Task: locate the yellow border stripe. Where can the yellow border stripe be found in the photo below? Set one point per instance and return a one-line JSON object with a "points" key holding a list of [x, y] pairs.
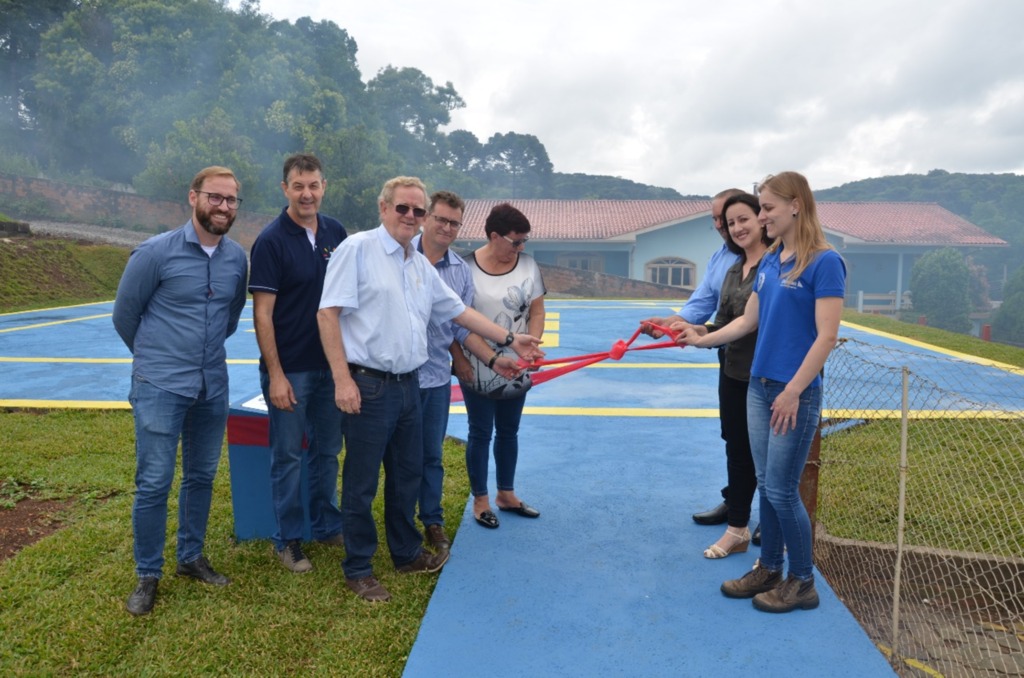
{"points": [[67, 404], [945, 351], [55, 322]]}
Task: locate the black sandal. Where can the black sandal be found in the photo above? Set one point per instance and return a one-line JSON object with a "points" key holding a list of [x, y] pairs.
{"points": [[488, 520]]}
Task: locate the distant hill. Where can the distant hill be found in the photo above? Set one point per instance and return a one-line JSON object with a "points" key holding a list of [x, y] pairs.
{"points": [[994, 202]]}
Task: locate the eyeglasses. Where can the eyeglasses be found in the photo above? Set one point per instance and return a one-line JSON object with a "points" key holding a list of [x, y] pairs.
{"points": [[216, 199], [515, 243], [417, 212], [451, 223]]}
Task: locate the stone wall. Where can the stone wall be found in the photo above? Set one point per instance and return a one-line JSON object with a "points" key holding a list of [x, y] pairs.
{"points": [[31, 198], [57, 201]]}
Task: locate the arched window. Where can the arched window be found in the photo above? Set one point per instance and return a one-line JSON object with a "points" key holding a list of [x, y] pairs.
{"points": [[671, 271], [584, 261]]}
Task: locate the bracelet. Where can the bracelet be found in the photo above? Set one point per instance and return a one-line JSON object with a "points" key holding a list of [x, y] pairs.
{"points": [[490, 363], [508, 340]]}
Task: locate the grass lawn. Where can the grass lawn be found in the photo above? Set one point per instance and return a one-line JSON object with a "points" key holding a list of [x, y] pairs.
{"points": [[62, 599]]}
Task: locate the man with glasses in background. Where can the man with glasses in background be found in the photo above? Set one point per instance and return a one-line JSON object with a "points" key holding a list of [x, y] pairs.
{"points": [[179, 299], [445, 356], [701, 307], [379, 296], [289, 261]]}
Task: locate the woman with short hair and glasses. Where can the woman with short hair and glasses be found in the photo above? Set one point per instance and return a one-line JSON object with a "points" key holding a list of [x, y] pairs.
{"points": [[510, 291], [795, 305]]}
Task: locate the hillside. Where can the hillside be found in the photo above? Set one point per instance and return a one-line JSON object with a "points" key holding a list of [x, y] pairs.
{"points": [[38, 272]]}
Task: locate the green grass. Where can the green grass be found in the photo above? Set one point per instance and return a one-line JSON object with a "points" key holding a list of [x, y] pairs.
{"points": [[41, 272], [62, 599], [964, 484]]}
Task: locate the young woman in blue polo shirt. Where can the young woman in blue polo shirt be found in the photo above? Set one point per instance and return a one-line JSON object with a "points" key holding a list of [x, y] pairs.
{"points": [[796, 306]]}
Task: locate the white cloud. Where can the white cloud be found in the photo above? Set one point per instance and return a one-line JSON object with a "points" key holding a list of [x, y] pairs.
{"points": [[698, 96]]}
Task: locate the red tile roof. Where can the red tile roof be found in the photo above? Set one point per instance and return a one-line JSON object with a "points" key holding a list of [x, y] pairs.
{"points": [[901, 223], [585, 219], [904, 223]]}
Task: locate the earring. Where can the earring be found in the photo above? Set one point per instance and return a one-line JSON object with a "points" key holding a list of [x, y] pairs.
{"points": [[795, 214]]}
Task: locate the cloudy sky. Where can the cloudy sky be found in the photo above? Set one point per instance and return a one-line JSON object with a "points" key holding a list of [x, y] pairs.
{"points": [[698, 96]]}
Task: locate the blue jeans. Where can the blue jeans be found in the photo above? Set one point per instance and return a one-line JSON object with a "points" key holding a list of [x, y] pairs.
{"points": [[388, 430], [434, 403], [779, 461], [502, 417], [162, 419], [316, 417]]}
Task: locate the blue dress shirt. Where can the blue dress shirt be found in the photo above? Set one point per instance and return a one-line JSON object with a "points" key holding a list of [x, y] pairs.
{"points": [[437, 371], [175, 307], [703, 303]]}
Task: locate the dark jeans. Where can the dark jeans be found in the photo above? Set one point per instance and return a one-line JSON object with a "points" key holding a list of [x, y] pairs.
{"points": [[732, 405], [434, 403], [388, 430], [318, 419], [502, 417]]}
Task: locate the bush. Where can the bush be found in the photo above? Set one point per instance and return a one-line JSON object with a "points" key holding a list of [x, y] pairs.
{"points": [[1008, 323]]}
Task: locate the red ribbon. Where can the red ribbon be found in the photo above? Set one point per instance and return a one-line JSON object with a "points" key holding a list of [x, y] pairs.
{"points": [[618, 349]]}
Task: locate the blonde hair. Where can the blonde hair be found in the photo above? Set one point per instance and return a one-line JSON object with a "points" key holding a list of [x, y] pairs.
{"points": [[809, 238], [387, 194]]}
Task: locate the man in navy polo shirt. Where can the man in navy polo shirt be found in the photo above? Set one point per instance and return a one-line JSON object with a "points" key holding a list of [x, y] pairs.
{"points": [[288, 261]]}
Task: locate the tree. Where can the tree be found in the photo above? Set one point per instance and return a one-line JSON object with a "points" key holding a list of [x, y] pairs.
{"points": [[22, 24], [519, 164], [412, 109], [1008, 323], [939, 286]]}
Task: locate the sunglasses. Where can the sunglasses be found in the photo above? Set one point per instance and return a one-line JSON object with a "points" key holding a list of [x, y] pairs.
{"points": [[417, 212], [515, 243]]}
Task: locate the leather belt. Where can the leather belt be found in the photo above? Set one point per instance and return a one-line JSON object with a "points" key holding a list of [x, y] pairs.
{"points": [[380, 374]]}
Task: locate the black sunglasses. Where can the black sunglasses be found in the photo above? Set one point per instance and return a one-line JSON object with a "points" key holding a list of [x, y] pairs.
{"points": [[417, 212]]}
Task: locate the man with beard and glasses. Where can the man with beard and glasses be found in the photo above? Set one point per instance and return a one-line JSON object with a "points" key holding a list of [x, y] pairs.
{"points": [[289, 260], [179, 299]]}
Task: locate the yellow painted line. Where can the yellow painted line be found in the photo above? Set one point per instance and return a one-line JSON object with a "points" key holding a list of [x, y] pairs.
{"points": [[610, 412], [924, 414], [551, 325], [55, 322], [552, 314], [707, 413], [56, 308], [945, 351], [88, 361], [913, 663], [67, 404]]}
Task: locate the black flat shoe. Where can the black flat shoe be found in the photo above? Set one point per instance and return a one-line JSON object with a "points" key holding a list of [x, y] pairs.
{"points": [[523, 509], [715, 516], [756, 539], [488, 520]]}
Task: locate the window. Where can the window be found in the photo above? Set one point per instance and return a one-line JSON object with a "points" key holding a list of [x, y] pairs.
{"points": [[583, 261], [671, 271]]}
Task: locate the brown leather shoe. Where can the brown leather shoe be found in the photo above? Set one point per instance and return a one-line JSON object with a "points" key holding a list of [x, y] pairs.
{"points": [[369, 589], [788, 596], [425, 562], [749, 585], [437, 539]]}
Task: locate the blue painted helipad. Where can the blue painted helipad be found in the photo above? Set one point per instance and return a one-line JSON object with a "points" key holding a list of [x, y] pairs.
{"points": [[611, 579]]}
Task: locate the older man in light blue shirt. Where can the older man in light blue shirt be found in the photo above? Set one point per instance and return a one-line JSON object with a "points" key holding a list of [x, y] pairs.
{"points": [[379, 297]]}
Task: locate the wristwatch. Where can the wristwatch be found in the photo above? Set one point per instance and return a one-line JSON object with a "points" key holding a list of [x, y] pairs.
{"points": [[508, 340]]}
